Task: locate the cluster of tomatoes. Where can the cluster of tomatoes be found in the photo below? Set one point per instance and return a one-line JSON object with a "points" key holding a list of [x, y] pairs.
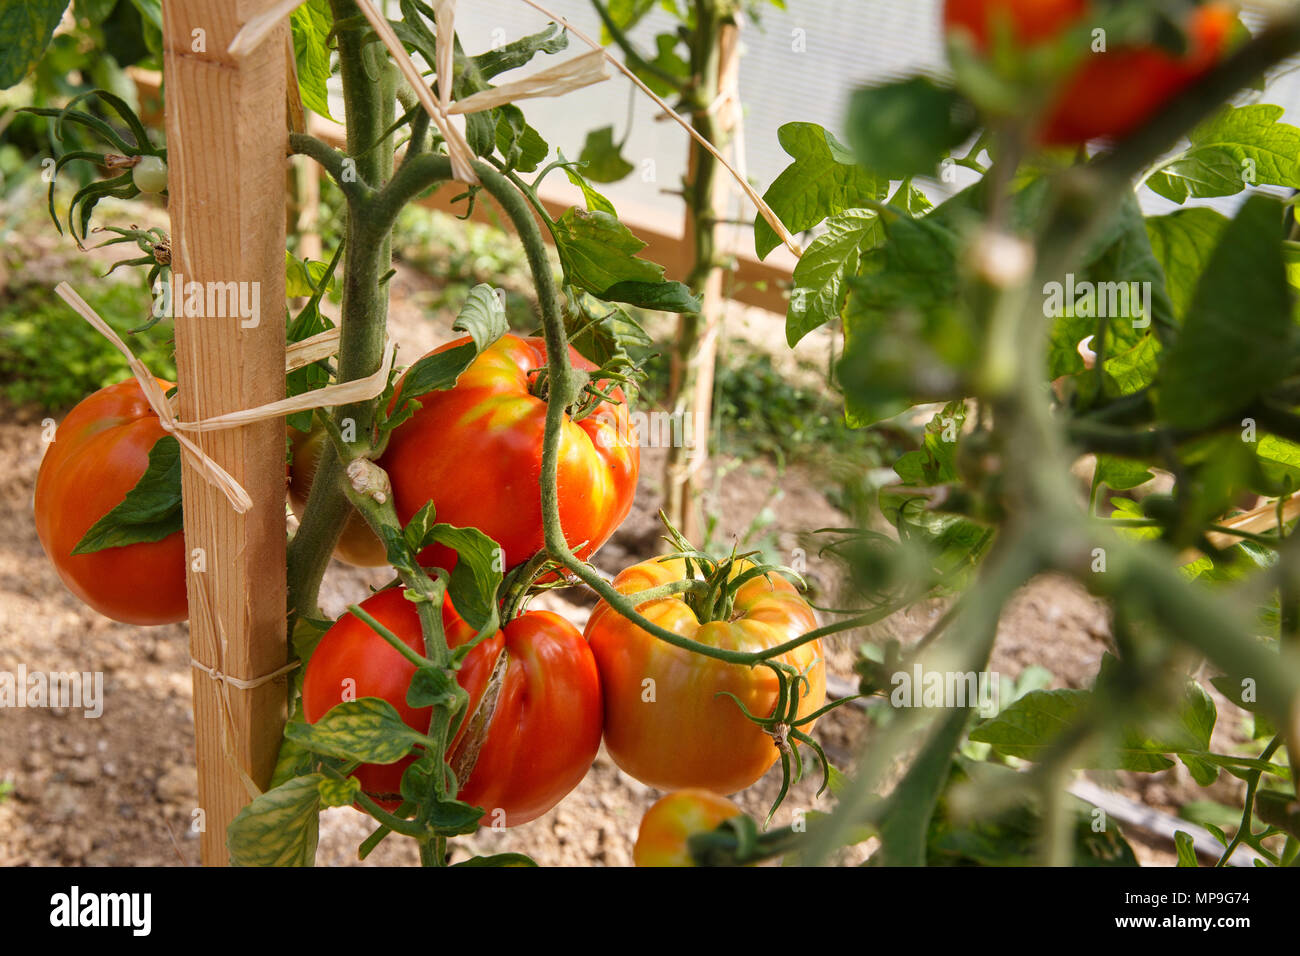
{"points": [[667, 715], [1110, 92]]}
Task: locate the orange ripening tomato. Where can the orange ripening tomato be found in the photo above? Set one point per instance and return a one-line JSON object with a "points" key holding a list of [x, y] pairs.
{"points": [[358, 544], [540, 739], [1030, 21], [1112, 94], [665, 723], [673, 819], [99, 453], [475, 451]]}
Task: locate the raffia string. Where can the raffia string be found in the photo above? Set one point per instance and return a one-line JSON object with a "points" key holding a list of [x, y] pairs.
{"points": [[310, 350]]}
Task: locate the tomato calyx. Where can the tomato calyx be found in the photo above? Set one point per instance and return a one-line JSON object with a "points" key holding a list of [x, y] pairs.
{"points": [[521, 584], [590, 389], [711, 583]]}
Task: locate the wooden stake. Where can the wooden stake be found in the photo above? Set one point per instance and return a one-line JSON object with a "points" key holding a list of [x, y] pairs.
{"points": [[227, 145], [692, 385]]}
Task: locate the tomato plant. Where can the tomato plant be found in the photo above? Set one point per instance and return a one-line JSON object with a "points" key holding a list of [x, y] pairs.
{"points": [[475, 451], [543, 727], [670, 822], [99, 453], [658, 697]]}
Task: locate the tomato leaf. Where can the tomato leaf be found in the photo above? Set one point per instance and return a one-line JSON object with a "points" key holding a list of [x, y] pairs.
{"points": [[499, 859], [476, 576], [521, 146], [338, 793], [27, 26], [484, 318], [824, 179], [602, 332], [1183, 243], [367, 729], [819, 276], [1241, 146], [602, 159], [311, 24], [280, 827], [1238, 336], [454, 817], [906, 128], [151, 511], [294, 760], [594, 198], [935, 462], [599, 255]]}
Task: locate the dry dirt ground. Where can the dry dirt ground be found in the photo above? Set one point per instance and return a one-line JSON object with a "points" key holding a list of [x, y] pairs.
{"points": [[121, 789]]}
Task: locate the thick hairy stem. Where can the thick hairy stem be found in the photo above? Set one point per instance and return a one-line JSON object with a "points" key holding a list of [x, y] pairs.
{"points": [[369, 102]]}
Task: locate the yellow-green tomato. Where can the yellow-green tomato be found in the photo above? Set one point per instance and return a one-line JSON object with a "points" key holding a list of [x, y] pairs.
{"points": [[150, 174], [668, 824]]}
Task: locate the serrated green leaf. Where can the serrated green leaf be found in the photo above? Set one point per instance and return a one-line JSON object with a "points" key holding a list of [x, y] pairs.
{"points": [[367, 729], [1237, 335], [484, 319], [519, 144], [824, 179], [599, 255], [476, 576], [819, 276], [151, 511], [279, 827], [603, 163], [1241, 146], [595, 200]]}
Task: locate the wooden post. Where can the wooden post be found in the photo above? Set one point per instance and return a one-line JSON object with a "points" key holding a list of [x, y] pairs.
{"points": [[227, 145], [692, 385]]}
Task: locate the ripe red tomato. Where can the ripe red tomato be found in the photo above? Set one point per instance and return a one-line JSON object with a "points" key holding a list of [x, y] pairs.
{"points": [[1114, 93], [664, 721], [1109, 94], [98, 454], [1031, 21], [668, 824], [475, 451], [358, 545], [543, 735]]}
